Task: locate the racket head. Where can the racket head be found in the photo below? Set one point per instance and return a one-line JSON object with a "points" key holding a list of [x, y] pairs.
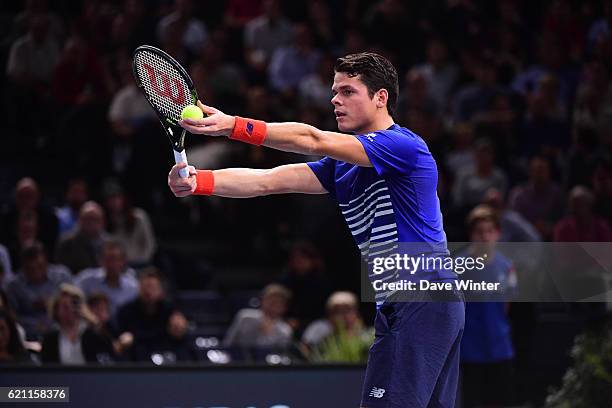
{"points": [[166, 86]]}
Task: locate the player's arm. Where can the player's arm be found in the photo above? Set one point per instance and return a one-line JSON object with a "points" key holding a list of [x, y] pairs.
{"points": [[288, 137], [244, 183]]}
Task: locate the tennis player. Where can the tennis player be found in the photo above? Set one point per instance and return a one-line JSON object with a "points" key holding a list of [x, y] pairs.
{"points": [[384, 179]]}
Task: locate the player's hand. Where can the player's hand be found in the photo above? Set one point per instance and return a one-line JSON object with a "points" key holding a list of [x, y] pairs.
{"points": [[216, 123], [182, 187]]}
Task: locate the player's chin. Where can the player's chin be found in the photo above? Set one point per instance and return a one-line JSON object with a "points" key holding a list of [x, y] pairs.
{"points": [[343, 124]]}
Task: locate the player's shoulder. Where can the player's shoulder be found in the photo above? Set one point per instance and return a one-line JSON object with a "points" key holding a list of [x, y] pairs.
{"points": [[394, 132]]}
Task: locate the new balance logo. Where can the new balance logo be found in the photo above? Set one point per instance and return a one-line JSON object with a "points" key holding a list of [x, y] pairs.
{"points": [[249, 128], [377, 392]]}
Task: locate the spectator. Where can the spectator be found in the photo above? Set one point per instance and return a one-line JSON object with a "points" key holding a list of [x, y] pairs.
{"points": [[129, 111], [154, 323], [6, 272], [539, 200], [129, 225], [290, 64], [33, 57], [74, 341], [342, 316], [113, 278], [240, 12], [34, 8], [99, 304], [306, 279], [440, 73], [80, 78], [476, 97], [27, 219], [81, 248], [472, 184], [11, 347], [581, 224], [487, 351], [315, 89], [193, 33], [76, 196], [33, 286], [263, 327], [513, 226], [461, 156], [264, 34]]}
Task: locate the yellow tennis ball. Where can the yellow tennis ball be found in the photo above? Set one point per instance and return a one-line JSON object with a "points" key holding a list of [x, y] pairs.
{"points": [[191, 112]]}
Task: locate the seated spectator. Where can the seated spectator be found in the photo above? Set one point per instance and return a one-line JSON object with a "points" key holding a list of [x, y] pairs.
{"points": [[130, 226], [27, 219], [74, 341], [472, 184], [539, 200], [461, 156], [581, 224], [6, 272], [263, 327], [194, 33], [475, 97], [487, 352], [113, 278], [99, 304], [156, 326], [81, 248], [76, 196], [33, 286], [306, 279], [513, 226], [5, 306], [12, 350], [440, 73], [290, 64], [75, 87], [264, 34], [315, 89], [33, 57], [342, 316]]}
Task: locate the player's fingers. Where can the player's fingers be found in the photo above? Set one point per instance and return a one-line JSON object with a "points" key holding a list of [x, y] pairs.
{"points": [[192, 170], [191, 128], [209, 110]]}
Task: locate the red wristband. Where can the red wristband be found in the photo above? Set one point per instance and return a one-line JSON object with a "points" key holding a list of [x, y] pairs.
{"points": [[205, 182], [249, 131]]}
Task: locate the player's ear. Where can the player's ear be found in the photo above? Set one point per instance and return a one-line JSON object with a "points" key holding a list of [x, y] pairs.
{"points": [[382, 96]]}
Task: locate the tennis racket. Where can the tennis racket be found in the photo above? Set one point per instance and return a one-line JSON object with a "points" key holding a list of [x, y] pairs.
{"points": [[168, 88]]}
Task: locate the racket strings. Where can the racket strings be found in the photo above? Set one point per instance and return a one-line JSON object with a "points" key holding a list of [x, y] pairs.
{"points": [[164, 85]]}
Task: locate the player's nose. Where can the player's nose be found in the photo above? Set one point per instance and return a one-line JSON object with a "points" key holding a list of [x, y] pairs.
{"points": [[335, 100]]}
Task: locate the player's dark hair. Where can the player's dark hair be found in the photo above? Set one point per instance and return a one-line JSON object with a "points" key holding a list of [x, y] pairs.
{"points": [[375, 71]]}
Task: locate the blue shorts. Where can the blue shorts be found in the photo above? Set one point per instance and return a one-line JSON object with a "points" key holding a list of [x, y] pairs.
{"points": [[414, 361]]}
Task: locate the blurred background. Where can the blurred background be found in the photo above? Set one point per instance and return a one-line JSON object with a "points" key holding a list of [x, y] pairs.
{"points": [[513, 97]]}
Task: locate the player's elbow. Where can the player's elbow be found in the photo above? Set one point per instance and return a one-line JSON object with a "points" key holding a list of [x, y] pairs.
{"points": [[316, 142]]}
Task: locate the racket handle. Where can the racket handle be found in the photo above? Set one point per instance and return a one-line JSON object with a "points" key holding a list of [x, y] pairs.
{"points": [[181, 157]]}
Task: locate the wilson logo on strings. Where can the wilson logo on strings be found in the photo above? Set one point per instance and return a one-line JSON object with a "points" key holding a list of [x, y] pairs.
{"points": [[166, 90]]}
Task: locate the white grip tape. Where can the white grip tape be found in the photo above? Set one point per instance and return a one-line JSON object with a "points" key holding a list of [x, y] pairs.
{"points": [[181, 157]]}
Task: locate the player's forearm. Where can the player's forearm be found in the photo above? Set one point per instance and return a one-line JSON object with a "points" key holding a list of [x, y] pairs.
{"points": [[294, 137], [241, 183]]}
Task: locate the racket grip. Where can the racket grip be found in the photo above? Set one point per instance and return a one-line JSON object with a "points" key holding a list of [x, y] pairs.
{"points": [[181, 157]]}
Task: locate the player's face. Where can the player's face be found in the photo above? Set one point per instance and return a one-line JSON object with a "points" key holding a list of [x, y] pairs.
{"points": [[353, 107]]}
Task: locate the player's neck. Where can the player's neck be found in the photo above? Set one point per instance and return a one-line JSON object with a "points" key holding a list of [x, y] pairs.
{"points": [[381, 123]]}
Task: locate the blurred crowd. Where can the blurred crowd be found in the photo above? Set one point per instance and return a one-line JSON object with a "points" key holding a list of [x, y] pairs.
{"points": [[513, 97]]}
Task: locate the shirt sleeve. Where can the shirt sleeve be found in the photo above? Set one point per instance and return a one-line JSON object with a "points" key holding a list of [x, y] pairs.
{"points": [[391, 153], [324, 169]]}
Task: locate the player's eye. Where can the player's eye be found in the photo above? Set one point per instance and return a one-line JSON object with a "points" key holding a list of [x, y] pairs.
{"points": [[347, 92]]}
